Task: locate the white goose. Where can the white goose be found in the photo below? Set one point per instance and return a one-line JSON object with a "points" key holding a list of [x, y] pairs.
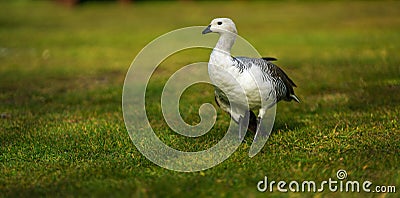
{"points": [[263, 83]]}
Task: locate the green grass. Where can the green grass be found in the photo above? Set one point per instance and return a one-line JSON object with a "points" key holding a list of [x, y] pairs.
{"points": [[61, 76]]}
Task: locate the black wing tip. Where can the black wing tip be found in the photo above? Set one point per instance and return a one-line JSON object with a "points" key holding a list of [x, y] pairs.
{"points": [[269, 59]]}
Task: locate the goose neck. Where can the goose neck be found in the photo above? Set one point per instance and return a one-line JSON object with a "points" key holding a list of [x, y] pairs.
{"points": [[226, 42]]}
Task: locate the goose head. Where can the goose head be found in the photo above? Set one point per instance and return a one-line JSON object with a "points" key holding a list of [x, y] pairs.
{"points": [[221, 26]]}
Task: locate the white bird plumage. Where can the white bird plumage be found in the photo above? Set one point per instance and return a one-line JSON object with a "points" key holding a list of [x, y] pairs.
{"points": [[263, 83]]}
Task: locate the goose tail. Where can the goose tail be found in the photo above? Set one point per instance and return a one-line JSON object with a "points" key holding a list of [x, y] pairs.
{"points": [[294, 97]]}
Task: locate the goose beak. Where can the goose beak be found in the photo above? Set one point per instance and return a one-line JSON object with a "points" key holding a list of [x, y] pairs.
{"points": [[207, 30]]}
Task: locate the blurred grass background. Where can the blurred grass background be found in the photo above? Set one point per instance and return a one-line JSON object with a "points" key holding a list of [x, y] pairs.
{"points": [[62, 71]]}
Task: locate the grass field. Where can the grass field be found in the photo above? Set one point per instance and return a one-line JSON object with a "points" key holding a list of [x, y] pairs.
{"points": [[62, 70]]}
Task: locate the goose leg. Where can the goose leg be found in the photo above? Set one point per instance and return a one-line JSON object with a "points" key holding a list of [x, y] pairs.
{"points": [[260, 126], [243, 122], [266, 120]]}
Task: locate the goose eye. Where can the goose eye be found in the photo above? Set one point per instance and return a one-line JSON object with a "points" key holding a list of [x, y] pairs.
{"points": [[219, 23]]}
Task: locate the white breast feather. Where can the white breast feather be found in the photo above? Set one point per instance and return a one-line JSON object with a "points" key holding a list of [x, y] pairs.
{"points": [[229, 79]]}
